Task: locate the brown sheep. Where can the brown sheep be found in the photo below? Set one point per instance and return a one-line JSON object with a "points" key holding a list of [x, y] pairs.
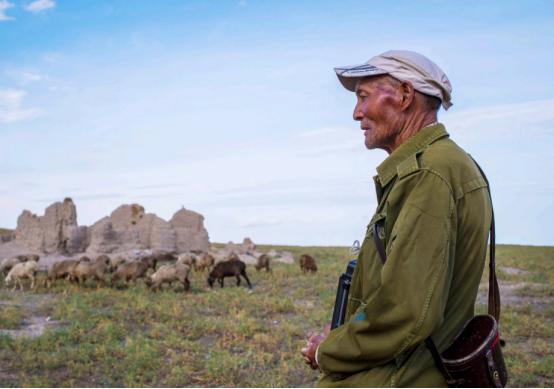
{"points": [[307, 263], [63, 269], [104, 257], [131, 271], [7, 263], [115, 262], [263, 262], [169, 273], [230, 268], [163, 256], [188, 259], [205, 262], [96, 269]]}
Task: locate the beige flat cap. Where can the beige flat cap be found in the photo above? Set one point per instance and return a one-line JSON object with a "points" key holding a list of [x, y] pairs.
{"points": [[425, 75]]}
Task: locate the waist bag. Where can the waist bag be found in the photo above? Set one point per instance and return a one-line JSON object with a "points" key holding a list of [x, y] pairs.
{"points": [[474, 358]]}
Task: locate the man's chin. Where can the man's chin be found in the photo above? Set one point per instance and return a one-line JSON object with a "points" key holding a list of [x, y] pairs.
{"points": [[374, 146], [370, 145]]}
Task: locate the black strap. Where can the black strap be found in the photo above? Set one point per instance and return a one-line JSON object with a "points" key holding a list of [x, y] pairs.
{"points": [[378, 243], [494, 293], [451, 382]]}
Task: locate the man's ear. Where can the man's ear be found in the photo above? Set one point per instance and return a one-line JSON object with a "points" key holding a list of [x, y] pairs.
{"points": [[408, 94]]}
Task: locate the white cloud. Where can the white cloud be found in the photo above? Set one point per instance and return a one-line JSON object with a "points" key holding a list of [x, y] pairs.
{"points": [[40, 5], [528, 115], [4, 6], [242, 3], [30, 77], [10, 106], [24, 77]]}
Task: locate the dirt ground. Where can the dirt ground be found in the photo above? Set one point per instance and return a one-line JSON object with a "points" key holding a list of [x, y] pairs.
{"points": [[35, 308], [509, 292]]}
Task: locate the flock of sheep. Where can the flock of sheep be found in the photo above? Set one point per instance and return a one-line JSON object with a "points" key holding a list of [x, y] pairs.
{"points": [[173, 269]]}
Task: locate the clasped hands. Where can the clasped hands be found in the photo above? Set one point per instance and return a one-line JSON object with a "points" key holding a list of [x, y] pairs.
{"points": [[314, 339]]}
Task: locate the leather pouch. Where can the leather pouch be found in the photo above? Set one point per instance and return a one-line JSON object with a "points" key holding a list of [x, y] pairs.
{"points": [[474, 359]]}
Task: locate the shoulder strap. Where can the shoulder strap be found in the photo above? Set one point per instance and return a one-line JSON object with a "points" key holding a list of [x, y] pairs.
{"points": [[378, 243], [494, 292]]}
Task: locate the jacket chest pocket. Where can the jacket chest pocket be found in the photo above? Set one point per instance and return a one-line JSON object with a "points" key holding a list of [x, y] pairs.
{"points": [[368, 267], [378, 223], [367, 276]]}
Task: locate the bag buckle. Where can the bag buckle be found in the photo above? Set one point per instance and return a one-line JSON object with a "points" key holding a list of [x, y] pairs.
{"points": [[495, 376]]}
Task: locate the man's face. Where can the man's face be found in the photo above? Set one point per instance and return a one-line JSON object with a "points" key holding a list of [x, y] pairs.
{"points": [[378, 111]]}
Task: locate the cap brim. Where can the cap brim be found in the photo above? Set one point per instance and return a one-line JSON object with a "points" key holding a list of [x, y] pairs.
{"points": [[349, 75]]}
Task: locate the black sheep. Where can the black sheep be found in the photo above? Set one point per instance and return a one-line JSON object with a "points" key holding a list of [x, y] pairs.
{"points": [[231, 268]]}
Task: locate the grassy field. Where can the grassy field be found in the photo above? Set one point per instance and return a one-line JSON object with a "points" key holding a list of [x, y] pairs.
{"points": [[230, 337]]}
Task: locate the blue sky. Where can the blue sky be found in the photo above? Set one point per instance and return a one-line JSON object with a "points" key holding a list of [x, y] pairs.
{"points": [[231, 108]]}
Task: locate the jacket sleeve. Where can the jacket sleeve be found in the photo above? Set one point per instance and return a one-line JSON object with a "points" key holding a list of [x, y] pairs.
{"points": [[411, 298]]}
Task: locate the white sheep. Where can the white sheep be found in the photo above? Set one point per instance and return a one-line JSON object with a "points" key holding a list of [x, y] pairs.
{"points": [[7, 263], [169, 273], [22, 270]]}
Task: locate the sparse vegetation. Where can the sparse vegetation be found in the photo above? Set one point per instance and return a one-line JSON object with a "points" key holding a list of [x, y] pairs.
{"points": [[5, 231], [133, 337]]}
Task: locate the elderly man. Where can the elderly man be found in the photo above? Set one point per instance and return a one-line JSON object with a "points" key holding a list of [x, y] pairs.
{"points": [[432, 223]]}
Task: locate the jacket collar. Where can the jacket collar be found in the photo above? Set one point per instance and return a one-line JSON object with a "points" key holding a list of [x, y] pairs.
{"points": [[388, 169]]}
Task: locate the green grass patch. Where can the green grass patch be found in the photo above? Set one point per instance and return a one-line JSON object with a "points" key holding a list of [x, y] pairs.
{"points": [[10, 317]]}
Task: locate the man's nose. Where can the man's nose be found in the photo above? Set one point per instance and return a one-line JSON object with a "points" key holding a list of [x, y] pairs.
{"points": [[357, 115]]}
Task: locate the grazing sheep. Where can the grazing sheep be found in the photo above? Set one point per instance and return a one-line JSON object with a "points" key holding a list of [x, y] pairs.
{"points": [[63, 269], [131, 271], [187, 259], [104, 257], [22, 270], [60, 270], [231, 268], [96, 269], [207, 261], [8, 263], [151, 261], [115, 262], [263, 262], [307, 263], [163, 256], [169, 273]]}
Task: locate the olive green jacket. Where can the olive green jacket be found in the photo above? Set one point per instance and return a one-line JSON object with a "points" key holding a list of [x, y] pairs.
{"points": [[433, 218]]}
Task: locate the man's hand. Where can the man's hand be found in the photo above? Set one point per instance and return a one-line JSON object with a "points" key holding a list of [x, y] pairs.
{"points": [[308, 352]]}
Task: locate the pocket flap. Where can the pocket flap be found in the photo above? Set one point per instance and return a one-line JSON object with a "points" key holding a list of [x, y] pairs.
{"points": [[378, 219]]}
